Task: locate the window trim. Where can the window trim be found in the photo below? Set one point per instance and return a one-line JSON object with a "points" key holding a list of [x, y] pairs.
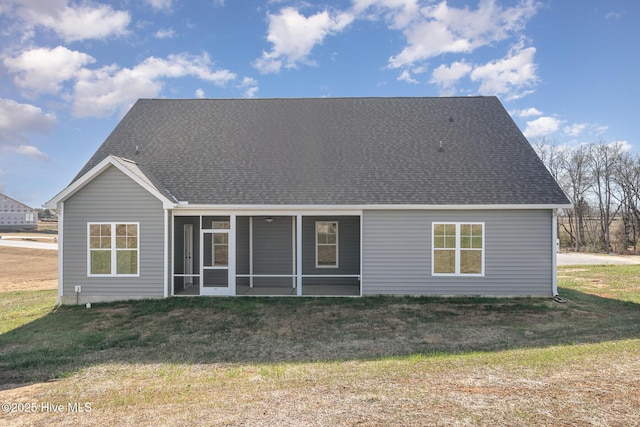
{"points": [[337, 265], [113, 249], [457, 249]]}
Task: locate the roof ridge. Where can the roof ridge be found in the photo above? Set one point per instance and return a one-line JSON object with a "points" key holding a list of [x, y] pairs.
{"points": [[318, 99], [124, 159]]}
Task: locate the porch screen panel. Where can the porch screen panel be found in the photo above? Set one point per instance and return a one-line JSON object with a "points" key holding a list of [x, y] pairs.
{"points": [[273, 251], [216, 278]]}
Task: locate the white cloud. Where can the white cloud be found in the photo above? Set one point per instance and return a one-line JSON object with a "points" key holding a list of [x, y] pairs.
{"points": [[399, 13], [446, 77], [624, 145], [405, 76], [44, 70], [575, 129], [71, 23], [106, 90], [600, 129], [426, 40], [294, 36], [17, 120], [101, 92], [542, 126], [251, 92], [250, 87], [439, 28], [613, 15], [513, 76], [527, 112], [25, 150], [159, 4], [165, 33], [199, 93]]}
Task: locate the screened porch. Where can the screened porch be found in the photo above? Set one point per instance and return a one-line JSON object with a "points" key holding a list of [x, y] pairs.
{"points": [[267, 255]]}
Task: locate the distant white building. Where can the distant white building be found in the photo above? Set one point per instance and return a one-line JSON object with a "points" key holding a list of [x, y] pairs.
{"points": [[15, 215]]}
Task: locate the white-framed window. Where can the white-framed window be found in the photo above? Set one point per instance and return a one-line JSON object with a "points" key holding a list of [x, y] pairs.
{"points": [[113, 249], [326, 244], [30, 217], [457, 249]]}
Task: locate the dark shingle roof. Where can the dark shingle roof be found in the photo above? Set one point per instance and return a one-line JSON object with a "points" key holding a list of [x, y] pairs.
{"points": [[330, 151]]}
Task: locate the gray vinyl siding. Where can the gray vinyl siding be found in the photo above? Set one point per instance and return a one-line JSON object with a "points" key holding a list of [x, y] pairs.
{"points": [[113, 197], [397, 253]]}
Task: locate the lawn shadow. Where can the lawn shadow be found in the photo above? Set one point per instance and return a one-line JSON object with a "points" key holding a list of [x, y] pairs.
{"points": [[277, 330]]}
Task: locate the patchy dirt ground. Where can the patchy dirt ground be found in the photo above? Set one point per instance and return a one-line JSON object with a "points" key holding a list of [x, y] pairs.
{"points": [[354, 362], [28, 269]]}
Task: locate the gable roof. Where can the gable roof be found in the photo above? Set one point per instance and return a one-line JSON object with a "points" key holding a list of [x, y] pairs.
{"points": [[129, 168], [332, 151], [6, 199]]}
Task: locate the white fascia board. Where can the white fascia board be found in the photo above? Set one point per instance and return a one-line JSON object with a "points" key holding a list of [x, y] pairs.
{"points": [[96, 171], [264, 210], [348, 209]]}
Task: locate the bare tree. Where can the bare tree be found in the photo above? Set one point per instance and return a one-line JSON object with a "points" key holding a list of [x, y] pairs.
{"points": [[603, 163], [628, 178], [602, 180], [551, 154], [576, 181]]}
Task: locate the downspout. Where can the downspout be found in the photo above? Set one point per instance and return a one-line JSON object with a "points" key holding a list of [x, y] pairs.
{"points": [[554, 252]]}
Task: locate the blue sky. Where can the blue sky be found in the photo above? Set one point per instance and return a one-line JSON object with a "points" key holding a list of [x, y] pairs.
{"points": [[69, 70]]}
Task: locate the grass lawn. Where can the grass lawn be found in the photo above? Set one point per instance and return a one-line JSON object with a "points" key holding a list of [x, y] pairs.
{"points": [[330, 361]]}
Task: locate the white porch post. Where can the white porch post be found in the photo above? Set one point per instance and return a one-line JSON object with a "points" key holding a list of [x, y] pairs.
{"points": [[294, 258], [166, 255], [201, 258], [232, 255], [251, 251], [360, 281], [299, 255]]}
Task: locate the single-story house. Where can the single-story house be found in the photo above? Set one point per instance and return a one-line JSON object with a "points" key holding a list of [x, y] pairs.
{"points": [[333, 196], [15, 215]]}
